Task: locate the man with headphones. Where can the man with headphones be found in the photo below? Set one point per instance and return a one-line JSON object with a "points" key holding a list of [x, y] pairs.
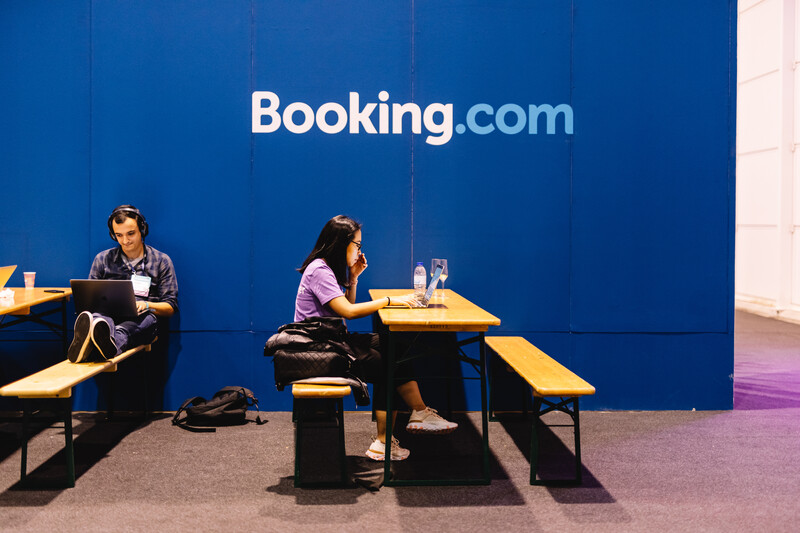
{"points": [[154, 284]]}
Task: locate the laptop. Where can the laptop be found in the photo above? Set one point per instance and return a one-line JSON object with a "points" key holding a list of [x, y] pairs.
{"points": [[5, 273], [110, 297], [422, 303]]}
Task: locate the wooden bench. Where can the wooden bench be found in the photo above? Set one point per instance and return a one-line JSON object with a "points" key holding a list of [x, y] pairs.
{"points": [[547, 378], [311, 397], [56, 383]]}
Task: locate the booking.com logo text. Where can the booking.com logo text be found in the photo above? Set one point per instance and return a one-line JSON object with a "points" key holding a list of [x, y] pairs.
{"points": [[332, 117]]}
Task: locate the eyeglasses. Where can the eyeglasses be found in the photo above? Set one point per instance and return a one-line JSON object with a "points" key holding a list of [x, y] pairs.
{"points": [[358, 244]]}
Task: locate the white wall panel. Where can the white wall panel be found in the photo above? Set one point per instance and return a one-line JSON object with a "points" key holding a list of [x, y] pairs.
{"points": [[797, 102], [796, 194], [757, 188], [758, 114], [756, 262], [759, 44], [796, 26], [768, 156], [796, 271], [745, 5]]}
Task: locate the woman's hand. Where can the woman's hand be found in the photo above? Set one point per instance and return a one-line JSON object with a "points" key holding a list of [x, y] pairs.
{"points": [[342, 306], [407, 300], [358, 267]]}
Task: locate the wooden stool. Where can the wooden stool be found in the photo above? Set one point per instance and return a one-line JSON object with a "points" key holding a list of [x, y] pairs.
{"points": [[309, 400]]}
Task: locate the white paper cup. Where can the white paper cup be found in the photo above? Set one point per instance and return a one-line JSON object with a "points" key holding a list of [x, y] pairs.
{"points": [[30, 278]]}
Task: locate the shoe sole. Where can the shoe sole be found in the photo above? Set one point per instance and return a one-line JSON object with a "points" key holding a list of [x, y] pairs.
{"points": [[420, 430], [376, 456], [105, 345], [81, 340]]}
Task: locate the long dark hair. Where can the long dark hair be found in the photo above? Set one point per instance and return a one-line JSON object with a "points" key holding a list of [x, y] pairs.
{"points": [[332, 246]]}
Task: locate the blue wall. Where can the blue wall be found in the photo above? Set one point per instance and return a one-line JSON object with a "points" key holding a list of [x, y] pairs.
{"points": [[610, 246]]}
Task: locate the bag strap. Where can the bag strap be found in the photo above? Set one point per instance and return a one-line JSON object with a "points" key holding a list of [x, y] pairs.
{"points": [[249, 398], [258, 413], [317, 328], [182, 408], [359, 388], [182, 422], [251, 401]]}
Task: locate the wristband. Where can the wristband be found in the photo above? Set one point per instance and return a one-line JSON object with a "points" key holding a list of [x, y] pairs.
{"points": [[390, 300], [148, 306]]}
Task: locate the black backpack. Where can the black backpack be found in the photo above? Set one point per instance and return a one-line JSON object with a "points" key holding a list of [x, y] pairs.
{"points": [[228, 407]]}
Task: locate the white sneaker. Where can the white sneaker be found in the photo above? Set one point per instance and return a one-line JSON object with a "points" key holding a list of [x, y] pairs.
{"points": [[429, 421], [377, 451]]}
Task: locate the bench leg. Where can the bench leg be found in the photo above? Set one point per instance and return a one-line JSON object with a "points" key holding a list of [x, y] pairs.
{"points": [[297, 418], [23, 466], [68, 447], [537, 404], [525, 389], [110, 386], [146, 356], [110, 407], [574, 413], [300, 411], [577, 421], [342, 453], [65, 412]]}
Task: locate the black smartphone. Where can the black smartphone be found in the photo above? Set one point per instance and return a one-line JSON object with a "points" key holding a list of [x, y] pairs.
{"points": [[53, 290]]}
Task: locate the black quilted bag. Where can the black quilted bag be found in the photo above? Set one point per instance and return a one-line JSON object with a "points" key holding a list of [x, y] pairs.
{"points": [[314, 347], [310, 348], [293, 365]]}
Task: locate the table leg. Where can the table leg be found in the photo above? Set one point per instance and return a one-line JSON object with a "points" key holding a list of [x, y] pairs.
{"points": [[390, 363], [484, 409], [64, 344], [480, 366]]}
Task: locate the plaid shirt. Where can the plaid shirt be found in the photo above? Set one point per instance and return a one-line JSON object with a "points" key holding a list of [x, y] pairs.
{"points": [[112, 264]]}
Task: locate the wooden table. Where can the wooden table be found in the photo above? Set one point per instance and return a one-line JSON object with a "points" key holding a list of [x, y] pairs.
{"points": [[454, 314], [26, 299]]}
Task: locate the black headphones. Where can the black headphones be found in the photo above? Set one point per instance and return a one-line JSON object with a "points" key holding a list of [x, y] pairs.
{"points": [[130, 212]]}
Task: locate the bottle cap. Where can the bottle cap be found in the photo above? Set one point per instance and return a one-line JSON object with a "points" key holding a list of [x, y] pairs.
{"points": [[419, 263]]}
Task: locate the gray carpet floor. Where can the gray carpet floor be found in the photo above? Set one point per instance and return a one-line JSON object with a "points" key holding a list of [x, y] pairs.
{"points": [[734, 470]]}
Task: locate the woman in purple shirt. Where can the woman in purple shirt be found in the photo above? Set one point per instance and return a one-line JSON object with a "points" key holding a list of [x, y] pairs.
{"points": [[335, 263]]}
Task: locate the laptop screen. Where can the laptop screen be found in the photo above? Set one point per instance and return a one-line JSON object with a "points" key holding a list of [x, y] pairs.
{"points": [[434, 281]]}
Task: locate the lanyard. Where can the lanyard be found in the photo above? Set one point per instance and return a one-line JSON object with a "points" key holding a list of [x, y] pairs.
{"points": [[141, 283], [132, 267]]}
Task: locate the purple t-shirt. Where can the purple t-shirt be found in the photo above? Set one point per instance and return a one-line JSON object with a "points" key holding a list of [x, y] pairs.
{"points": [[318, 286]]}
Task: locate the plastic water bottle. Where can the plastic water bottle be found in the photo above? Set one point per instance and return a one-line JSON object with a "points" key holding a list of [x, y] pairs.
{"points": [[419, 280]]}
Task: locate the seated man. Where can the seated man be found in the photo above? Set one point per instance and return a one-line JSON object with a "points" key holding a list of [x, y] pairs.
{"points": [[154, 285]]}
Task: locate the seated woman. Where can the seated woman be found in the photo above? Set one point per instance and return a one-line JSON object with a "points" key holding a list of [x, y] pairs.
{"points": [[328, 288]]}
